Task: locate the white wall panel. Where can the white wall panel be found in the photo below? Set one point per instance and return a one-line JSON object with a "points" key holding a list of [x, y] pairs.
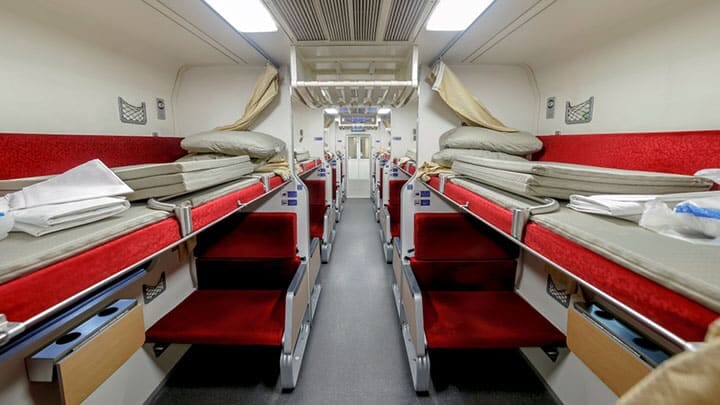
{"points": [[63, 74], [507, 91], [210, 96], [655, 73]]}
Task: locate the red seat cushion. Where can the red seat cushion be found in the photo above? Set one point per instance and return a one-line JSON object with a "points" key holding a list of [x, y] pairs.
{"points": [[316, 191], [464, 275], [458, 237], [317, 216], [26, 155], [682, 152], [394, 190], [224, 317], [394, 211], [266, 235], [253, 274], [485, 320]]}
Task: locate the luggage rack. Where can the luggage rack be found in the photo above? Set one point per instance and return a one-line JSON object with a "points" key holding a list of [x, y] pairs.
{"points": [[355, 76]]}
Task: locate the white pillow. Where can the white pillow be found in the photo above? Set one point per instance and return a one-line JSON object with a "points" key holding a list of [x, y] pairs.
{"points": [[514, 143], [446, 157], [254, 144]]}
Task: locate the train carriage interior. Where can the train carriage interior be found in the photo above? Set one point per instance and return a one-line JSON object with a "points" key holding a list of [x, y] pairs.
{"points": [[359, 201]]}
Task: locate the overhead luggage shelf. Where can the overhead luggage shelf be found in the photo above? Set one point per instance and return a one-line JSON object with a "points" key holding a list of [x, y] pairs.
{"points": [[358, 75]]}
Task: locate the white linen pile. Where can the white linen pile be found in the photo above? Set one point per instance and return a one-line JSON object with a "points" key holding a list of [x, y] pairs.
{"points": [[627, 206], [84, 194]]}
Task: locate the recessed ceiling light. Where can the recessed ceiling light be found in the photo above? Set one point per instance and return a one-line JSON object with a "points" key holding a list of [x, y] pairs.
{"points": [[245, 15], [456, 15], [331, 111]]}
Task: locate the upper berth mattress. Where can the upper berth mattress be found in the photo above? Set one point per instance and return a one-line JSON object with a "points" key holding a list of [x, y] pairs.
{"points": [[163, 179], [560, 180], [179, 183], [689, 269], [23, 253]]}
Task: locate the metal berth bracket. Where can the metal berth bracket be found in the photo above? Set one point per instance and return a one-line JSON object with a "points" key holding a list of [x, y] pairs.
{"points": [[9, 330], [444, 178], [183, 213], [521, 216]]}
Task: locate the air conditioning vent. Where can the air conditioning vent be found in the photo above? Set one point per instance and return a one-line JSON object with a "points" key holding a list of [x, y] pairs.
{"points": [[302, 18], [365, 18], [337, 19], [404, 15]]}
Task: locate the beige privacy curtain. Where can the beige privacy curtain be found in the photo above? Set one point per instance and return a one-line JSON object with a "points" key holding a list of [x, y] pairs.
{"points": [[459, 99], [266, 89]]}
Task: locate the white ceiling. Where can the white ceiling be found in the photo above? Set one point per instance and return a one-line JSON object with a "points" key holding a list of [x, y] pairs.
{"points": [[509, 32]]}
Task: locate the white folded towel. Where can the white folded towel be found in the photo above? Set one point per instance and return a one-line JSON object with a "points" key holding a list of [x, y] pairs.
{"points": [[627, 206], [90, 180], [38, 221], [712, 174]]}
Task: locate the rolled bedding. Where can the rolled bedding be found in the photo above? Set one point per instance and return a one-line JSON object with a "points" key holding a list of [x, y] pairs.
{"points": [[257, 145], [513, 143]]}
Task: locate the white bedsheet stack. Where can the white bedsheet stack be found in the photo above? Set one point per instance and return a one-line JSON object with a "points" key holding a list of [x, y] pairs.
{"points": [[87, 193], [628, 206]]}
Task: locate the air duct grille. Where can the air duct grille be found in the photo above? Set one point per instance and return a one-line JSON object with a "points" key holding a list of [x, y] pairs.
{"points": [[404, 15], [337, 19], [302, 18], [365, 18]]}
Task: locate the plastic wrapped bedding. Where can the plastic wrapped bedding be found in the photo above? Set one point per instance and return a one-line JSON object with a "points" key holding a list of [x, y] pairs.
{"points": [[560, 180], [689, 269], [24, 253]]}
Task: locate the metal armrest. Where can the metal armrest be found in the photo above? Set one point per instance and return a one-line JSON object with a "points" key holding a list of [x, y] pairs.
{"points": [[328, 224], [385, 223]]}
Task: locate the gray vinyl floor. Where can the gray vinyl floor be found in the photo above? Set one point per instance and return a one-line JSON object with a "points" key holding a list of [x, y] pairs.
{"points": [[355, 353]]}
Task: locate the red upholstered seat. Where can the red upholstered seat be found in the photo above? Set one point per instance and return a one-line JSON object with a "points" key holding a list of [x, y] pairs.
{"points": [[394, 190], [682, 152], [265, 235], [317, 216], [459, 275], [458, 237], [394, 211], [224, 317], [316, 191], [483, 320], [26, 155], [334, 184]]}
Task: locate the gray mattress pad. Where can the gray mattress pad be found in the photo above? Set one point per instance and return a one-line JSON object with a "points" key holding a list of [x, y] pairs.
{"points": [[23, 253], [586, 173], [692, 270], [524, 183], [172, 184], [133, 174], [201, 197]]}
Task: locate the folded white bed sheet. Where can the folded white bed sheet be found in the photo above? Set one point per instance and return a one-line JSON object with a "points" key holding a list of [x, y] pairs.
{"points": [[627, 206], [23, 253], [560, 180], [689, 269], [45, 219]]}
